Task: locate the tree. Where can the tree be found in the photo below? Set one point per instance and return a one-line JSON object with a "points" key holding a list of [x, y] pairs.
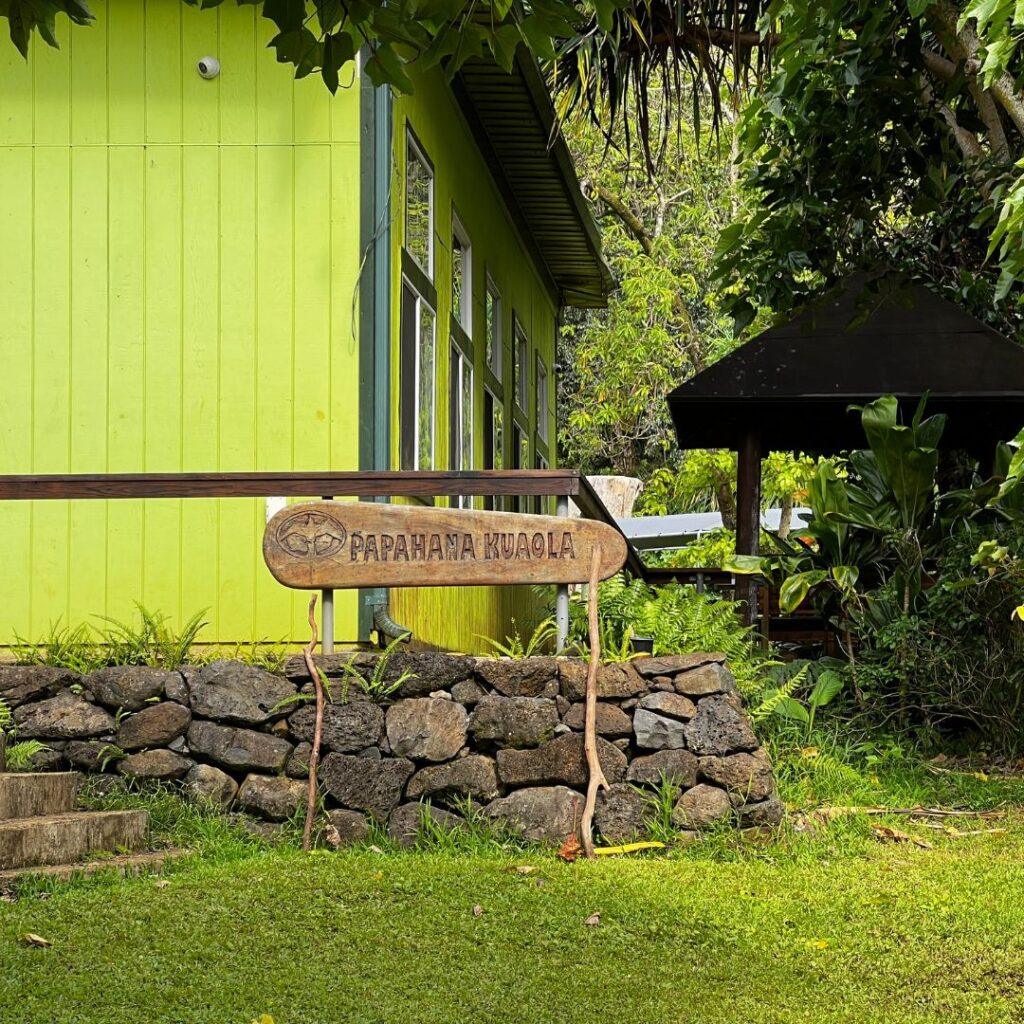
{"points": [[662, 324]]}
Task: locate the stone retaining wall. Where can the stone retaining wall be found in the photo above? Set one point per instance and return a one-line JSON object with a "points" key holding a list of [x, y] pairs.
{"points": [[505, 733]]}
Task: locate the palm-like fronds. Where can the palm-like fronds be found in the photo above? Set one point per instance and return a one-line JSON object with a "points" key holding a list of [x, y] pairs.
{"points": [[690, 50]]}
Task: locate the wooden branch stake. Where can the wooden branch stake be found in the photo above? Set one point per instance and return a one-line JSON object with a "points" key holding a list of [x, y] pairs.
{"points": [[314, 754], [595, 775]]}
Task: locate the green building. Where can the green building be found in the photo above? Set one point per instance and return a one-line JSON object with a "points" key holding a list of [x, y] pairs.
{"points": [[244, 273]]}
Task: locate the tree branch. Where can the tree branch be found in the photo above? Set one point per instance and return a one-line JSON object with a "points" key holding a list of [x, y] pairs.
{"points": [[627, 216]]}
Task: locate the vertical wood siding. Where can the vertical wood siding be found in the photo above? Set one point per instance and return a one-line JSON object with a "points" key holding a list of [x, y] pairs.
{"points": [[459, 618], [179, 260]]}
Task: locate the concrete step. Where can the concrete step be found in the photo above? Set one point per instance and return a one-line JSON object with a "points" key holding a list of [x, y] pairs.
{"points": [[26, 794], [127, 865], [66, 838]]}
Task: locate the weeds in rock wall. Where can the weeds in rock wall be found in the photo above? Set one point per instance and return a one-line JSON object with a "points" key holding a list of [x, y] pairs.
{"points": [[377, 686], [517, 645], [16, 757]]}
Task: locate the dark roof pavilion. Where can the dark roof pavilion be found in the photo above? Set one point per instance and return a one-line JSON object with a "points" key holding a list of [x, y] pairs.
{"points": [[792, 385]]}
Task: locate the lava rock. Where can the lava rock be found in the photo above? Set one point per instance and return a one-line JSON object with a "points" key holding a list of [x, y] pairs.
{"points": [[656, 732], [764, 812], [705, 680], [163, 765], [346, 727], [620, 813], [670, 664], [272, 797], [297, 765], [672, 704], [365, 784], [208, 784], [518, 677], [176, 686], [130, 687], [701, 807], [426, 728], [719, 728], [614, 682], [539, 814], [747, 775], [64, 717], [228, 691], [352, 826], [240, 749], [20, 684], [677, 767], [513, 721], [473, 776], [611, 720], [406, 822], [87, 754], [430, 671], [154, 726], [559, 760], [467, 692]]}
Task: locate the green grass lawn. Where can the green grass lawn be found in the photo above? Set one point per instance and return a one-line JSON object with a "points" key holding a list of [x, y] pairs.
{"points": [[833, 926]]}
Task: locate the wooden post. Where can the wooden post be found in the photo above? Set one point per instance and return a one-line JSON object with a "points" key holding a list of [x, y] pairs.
{"points": [[561, 591], [748, 517], [327, 613]]}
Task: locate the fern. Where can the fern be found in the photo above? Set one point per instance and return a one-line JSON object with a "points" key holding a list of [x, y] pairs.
{"points": [[676, 618], [777, 696], [19, 755], [516, 647]]}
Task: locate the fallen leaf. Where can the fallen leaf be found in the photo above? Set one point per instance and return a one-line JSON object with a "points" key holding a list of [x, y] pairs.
{"points": [[332, 836], [521, 869], [477, 910], [570, 849], [161, 884], [31, 939], [375, 849], [888, 834], [593, 920]]}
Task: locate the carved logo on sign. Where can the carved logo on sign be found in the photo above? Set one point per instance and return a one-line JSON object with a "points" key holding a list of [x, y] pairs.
{"points": [[336, 545]]}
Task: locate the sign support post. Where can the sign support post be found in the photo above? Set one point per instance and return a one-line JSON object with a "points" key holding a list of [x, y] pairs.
{"points": [[562, 590], [327, 614]]}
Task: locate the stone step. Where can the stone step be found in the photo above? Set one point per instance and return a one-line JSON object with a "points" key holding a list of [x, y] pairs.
{"points": [[127, 865], [27, 794], [66, 838]]}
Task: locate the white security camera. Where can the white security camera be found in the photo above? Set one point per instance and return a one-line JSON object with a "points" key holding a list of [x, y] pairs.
{"points": [[208, 67]]}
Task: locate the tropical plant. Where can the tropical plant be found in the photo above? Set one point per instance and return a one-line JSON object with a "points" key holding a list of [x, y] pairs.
{"points": [[675, 617], [15, 757], [516, 645], [376, 686], [783, 700]]}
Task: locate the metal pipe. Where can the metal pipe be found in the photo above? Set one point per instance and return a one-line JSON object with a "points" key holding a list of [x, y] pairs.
{"points": [[387, 627], [327, 613], [562, 591]]}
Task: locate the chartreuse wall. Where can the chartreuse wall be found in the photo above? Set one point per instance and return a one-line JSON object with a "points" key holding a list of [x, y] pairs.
{"points": [[458, 618], [179, 263]]}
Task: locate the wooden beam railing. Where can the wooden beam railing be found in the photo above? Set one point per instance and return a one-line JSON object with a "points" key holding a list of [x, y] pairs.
{"points": [[557, 483]]}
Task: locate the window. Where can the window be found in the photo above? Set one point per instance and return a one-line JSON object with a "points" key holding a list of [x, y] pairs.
{"points": [[494, 437], [460, 416], [418, 374], [520, 460], [542, 399], [520, 368], [542, 505], [492, 328], [460, 376], [419, 206], [462, 279]]}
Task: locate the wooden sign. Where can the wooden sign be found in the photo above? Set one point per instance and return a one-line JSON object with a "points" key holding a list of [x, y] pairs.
{"points": [[331, 545]]}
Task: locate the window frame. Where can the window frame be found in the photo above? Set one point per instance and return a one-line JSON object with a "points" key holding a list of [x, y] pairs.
{"points": [[541, 389], [413, 145], [520, 366], [494, 333]]}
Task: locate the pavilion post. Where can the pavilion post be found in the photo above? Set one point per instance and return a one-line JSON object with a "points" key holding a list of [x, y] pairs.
{"points": [[748, 516]]}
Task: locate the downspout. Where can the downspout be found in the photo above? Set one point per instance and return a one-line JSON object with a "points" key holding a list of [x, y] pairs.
{"points": [[375, 325]]}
